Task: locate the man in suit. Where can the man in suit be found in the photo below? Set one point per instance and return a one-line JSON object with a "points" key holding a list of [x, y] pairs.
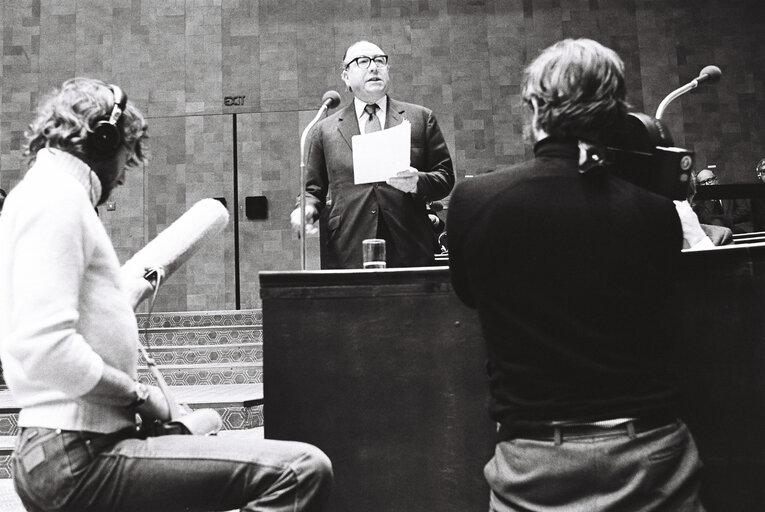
{"points": [[394, 210], [570, 270], [734, 214]]}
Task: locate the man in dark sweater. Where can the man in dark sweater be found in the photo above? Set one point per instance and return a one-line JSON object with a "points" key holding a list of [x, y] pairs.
{"points": [[569, 272]]}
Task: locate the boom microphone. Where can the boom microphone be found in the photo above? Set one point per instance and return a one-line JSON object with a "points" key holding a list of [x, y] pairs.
{"points": [[709, 74], [173, 246]]}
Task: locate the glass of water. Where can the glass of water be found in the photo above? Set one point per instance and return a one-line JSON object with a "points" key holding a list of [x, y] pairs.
{"points": [[374, 253]]}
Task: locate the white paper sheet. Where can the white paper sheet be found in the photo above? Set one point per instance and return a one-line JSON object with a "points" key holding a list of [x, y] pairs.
{"points": [[380, 155]]}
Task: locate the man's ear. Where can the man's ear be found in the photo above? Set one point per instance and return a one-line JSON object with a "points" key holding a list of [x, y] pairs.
{"points": [[534, 114], [344, 77]]}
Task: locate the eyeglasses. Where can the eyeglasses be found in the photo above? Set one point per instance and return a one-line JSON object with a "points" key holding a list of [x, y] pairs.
{"points": [[708, 181], [363, 62]]}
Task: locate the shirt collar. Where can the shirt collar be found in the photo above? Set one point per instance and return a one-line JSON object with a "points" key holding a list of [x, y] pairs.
{"points": [[359, 105], [74, 167]]}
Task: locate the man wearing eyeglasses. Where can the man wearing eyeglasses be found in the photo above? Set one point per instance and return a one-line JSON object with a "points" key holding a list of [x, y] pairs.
{"points": [[734, 214], [394, 210]]}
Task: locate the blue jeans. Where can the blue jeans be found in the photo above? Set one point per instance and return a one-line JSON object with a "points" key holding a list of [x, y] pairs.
{"points": [[81, 472], [656, 470]]}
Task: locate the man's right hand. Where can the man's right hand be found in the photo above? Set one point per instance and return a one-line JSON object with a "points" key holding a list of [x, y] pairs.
{"points": [[311, 214], [155, 407]]}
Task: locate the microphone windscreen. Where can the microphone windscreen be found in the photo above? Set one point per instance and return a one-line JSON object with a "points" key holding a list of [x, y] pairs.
{"points": [[331, 98], [180, 240], [712, 73]]}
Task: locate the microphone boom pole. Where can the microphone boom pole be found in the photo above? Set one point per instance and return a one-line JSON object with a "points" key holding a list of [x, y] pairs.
{"points": [[331, 100]]}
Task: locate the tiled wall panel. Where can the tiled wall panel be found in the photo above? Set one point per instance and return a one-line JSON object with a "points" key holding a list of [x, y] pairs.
{"points": [[191, 64]]}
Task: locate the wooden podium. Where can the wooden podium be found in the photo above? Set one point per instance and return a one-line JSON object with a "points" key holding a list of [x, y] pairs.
{"points": [[385, 372]]}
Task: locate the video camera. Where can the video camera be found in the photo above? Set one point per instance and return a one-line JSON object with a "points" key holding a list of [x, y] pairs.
{"points": [[640, 150]]}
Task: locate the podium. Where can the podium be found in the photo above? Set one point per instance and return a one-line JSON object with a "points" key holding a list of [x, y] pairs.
{"points": [[385, 371]]}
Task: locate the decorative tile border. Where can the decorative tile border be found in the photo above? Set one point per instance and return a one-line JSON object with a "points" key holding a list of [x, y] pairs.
{"points": [[248, 317], [192, 376], [206, 355], [235, 417], [9, 423], [201, 335], [5, 465]]}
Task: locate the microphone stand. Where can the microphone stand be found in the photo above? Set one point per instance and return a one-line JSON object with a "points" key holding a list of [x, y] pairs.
{"points": [[674, 95], [303, 137]]}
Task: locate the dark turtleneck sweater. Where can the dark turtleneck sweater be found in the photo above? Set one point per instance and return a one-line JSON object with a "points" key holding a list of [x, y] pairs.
{"points": [[570, 274]]}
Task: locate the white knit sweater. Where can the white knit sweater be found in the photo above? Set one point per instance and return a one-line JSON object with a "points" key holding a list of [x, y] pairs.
{"points": [[63, 308]]}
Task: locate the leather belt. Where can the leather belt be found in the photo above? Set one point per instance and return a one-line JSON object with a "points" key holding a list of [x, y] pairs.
{"points": [[549, 432]]}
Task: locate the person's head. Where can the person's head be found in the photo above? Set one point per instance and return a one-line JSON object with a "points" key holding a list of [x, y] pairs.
{"points": [[706, 177], [66, 120], [760, 169], [365, 71], [575, 89]]}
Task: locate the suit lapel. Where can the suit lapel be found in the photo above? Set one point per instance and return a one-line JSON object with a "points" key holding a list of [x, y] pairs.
{"points": [[395, 113], [347, 124]]}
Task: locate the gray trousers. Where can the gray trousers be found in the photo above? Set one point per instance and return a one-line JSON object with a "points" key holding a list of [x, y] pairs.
{"points": [[656, 470]]}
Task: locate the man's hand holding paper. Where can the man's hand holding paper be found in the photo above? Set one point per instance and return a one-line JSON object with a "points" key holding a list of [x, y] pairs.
{"points": [[405, 181]]}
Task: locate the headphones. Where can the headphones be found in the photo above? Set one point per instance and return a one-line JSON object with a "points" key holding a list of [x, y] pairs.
{"points": [[105, 139]]}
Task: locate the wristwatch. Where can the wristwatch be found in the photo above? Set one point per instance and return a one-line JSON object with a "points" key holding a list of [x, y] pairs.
{"points": [[141, 394]]}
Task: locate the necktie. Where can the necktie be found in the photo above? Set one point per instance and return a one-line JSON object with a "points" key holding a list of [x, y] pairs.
{"points": [[373, 122]]}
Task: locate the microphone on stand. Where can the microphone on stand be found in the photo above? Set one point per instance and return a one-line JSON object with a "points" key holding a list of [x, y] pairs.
{"points": [[709, 74], [331, 99]]}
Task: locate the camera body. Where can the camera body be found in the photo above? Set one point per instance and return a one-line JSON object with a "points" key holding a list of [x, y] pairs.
{"points": [[640, 150]]}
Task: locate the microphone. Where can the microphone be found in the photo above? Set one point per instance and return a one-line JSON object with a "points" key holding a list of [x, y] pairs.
{"points": [[180, 240], [332, 99], [709, 74]]}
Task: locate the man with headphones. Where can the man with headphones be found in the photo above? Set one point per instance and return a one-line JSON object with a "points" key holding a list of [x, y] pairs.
{"points": [[69, 339]]}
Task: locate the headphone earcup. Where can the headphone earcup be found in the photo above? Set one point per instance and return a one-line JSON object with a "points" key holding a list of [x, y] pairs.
{"points": [[105, 139]]}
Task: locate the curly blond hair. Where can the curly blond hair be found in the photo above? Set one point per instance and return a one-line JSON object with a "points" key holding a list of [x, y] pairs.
{"points": [[68, 114]]}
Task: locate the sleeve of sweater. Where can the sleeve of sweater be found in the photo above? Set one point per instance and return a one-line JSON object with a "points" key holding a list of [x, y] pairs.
{"points": [[50, 254]]}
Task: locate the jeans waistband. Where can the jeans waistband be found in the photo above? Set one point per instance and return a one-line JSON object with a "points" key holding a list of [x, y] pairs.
{"points": [[96, 440]]}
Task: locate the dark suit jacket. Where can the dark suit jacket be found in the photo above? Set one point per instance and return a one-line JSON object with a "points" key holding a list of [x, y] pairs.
{"points": [[356, 209], [732, 213]]}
